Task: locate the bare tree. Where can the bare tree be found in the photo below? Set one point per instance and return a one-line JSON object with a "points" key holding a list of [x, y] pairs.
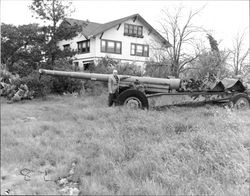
{"points": [[240, 56], [180, 35]]}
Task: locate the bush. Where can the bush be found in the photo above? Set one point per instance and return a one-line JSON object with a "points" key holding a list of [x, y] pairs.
{"points": [[105, 66], [158, 69], [23, 68], [6, 76], [41, 87], [129, 69], [208, 62], [62, 85], [95, 87]]}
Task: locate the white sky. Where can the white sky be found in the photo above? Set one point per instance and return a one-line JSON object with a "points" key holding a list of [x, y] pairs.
{"points": [[224, 19]]}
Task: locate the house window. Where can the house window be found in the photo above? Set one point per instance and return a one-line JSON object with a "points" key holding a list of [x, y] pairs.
{"points": [[139, 31], [139, 50], [110, 46], [83, 46], [130, 29], [76, 66], [133, 30], [126, 31], [66, 47], [87, 65]]}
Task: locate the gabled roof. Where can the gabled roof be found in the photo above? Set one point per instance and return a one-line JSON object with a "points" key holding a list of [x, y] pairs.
{"points": [[109, 25], [91, 29], [87, 26]]}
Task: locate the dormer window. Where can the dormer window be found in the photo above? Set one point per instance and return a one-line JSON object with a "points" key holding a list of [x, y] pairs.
{"points": [[133, 30]]}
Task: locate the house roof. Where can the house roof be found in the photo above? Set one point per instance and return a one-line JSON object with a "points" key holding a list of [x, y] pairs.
{"points": [[109, 25], [91, 29], [87, 26]]}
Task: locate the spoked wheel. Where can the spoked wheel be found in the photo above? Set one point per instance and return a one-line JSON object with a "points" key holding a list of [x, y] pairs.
{"points": [[241, 102], [133, 103], [133, 99]]}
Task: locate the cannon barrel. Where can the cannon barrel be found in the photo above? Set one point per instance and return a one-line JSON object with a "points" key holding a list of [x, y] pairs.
{"points": [[173, 83]]}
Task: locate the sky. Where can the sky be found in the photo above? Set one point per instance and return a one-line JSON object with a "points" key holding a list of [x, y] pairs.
{"points": [[223, 19]]}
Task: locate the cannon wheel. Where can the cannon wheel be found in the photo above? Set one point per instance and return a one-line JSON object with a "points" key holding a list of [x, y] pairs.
{"points": [[241, 101], [133, 99]]}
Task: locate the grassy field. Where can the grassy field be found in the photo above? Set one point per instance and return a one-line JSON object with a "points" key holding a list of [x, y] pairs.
{"points": [[81, 142]]}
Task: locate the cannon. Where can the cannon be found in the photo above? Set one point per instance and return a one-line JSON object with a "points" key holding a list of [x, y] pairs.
{"points": [[150, 92]]}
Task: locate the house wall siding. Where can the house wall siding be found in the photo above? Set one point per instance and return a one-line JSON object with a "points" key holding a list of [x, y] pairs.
{"points": [[116, 35], [73, 45]]}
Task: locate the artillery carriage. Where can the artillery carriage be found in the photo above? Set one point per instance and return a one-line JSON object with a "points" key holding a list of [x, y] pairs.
{"points": [[149, 92]]}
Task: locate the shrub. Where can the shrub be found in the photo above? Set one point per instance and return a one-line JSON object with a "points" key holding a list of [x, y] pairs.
{"points": [[105, 66], [62, 85], [128, 69], [65, 84], [95, 87], [6, 76], [23, 68], [11, 84], [41, 87], [158, 69]]}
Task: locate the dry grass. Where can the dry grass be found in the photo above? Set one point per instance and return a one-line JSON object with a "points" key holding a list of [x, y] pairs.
{"points": [[179, 151]]}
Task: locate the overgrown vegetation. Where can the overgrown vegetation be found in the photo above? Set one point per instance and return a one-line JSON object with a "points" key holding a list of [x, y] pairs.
{"points": [[21, 48], [53, 12], [106, 65], [189, 57], [26, 48], [180, 151], [116, 151], [158, 69], [43, 85]]}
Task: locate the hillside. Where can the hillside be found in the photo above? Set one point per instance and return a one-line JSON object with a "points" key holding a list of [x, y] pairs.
{"points": [[82, 143]]}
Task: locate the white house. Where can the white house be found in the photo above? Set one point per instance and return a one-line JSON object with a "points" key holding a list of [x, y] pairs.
{"points": [[129, 39]]}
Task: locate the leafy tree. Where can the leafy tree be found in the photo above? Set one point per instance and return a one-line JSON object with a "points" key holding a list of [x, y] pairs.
{"points": [[216, 54], [9, 43], [207, 62], [22, 47], [53, 12], [213, 61], [213, 43]]}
